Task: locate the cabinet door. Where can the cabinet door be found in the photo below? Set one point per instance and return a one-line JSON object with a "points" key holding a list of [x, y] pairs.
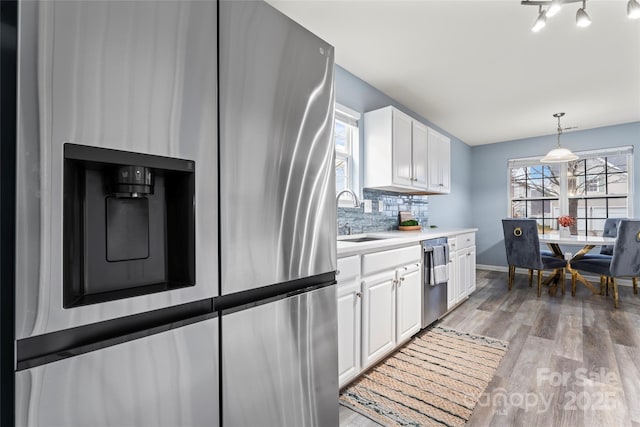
{"points": [[401, 134], [471, 266], [452, 286], [378, 317], [408, 303], [420, 137], [467, 271], [438, 162], [445, 164], [349, 315], [463, 273]]}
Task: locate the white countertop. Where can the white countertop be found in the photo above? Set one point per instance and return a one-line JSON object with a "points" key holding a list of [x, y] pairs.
{"points": [[393, 239]]}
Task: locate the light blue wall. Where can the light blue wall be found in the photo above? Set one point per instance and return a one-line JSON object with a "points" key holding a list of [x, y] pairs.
{"points": [[451, 210], [489, 189]]}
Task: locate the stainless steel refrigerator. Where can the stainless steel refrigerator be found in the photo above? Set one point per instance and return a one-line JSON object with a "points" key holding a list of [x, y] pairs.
{"points": [[175, 218], [277, 221]]}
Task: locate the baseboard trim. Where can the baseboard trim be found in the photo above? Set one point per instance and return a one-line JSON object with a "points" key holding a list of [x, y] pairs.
{"points": [[492, 267], [590, 278]]}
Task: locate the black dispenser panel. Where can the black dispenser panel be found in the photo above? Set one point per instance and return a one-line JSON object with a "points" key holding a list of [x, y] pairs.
{"points": [[129, 224]]}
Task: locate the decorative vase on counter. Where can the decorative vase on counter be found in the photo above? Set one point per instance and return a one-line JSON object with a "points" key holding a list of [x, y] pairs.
{"points": [[565, 232]]}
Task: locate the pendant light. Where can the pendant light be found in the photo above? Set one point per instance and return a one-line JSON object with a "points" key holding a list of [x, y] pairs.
{"points": [[559, 154]]}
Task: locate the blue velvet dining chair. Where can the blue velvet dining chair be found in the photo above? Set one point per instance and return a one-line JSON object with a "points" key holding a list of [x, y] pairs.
{"points": [[523, 250], [606, 251], [624, 262]]}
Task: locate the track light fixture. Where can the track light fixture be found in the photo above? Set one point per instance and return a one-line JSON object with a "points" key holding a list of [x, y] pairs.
{"points": [[549, 8]]}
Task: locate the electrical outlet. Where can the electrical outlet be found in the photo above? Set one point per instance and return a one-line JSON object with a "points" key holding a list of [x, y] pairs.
{"points": [[567, 255], [367, 206]]}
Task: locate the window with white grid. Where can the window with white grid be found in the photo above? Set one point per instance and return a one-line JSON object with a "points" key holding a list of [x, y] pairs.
{"points": [[591, 189]]}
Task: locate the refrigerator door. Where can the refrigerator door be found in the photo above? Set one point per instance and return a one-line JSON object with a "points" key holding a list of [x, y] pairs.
{"points": [[280, 363], [168, 379], [277, 185], [138, 76]]}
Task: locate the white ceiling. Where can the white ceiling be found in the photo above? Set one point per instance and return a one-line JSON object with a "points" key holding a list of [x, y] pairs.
{"points": [[475, 69]]}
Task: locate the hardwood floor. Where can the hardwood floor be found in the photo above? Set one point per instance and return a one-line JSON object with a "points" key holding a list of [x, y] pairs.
{"points": [[572, 361]]}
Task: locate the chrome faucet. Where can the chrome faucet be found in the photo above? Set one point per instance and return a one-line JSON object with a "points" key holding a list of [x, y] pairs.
{"points": [[356, 201]]}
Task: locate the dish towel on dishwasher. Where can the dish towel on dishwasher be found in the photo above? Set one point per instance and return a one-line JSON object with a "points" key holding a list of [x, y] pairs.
{"points": [[439, 268]]}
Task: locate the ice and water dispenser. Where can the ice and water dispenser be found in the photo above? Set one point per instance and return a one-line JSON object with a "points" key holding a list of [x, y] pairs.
{"points": [[129, 224]]}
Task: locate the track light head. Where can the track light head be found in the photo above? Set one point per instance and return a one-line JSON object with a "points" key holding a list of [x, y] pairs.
{"points": [[633, 9], [554, 8], [582, 19], [541, 21]]}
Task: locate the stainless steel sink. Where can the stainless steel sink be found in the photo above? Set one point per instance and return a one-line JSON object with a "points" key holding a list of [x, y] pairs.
{"points": [[361, 239]]}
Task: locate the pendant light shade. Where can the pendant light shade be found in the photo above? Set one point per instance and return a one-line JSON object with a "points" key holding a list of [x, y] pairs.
{"points": [[559, 154], [633, 9]]}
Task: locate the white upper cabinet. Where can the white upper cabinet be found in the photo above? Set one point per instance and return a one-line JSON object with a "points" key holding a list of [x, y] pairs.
{"points": [[438, 163], [397, 153]]}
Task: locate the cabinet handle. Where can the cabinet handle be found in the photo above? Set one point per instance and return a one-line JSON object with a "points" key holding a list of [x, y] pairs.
{"points": [[441, 185], [469, 254], [402, 279], [359, 294]]}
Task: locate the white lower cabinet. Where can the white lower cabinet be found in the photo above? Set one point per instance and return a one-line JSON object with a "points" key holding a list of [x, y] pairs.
{"points": [[462, 268], [408, 306], [349, 318], [379, 300], [391, 306], [378, 317]]}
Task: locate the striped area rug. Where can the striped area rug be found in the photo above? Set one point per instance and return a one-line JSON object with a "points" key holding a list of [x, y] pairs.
{"points": [[436, 379]]}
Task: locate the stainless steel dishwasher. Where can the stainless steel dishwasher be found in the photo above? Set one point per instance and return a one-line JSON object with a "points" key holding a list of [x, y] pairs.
{"points": [[434, 296]]}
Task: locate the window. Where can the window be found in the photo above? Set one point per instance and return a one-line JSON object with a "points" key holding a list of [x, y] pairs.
{"points": [[591, 189], [346, 136]]}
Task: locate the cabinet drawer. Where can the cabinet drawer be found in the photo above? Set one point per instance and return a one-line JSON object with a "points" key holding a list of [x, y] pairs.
{"points": [[348, 267], [387, 260], [453, 244], [466, 240]]}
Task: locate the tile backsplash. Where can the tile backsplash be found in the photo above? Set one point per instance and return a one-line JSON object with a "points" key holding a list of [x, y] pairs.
{"points": [[359, 222]]}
